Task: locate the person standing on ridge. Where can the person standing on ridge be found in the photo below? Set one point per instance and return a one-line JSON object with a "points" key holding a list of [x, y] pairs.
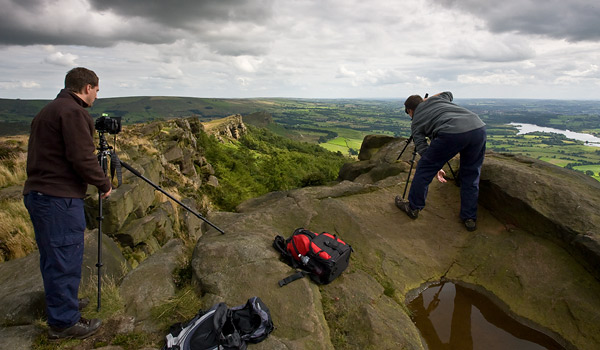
{"points": [[60, 164], [452, 129]]}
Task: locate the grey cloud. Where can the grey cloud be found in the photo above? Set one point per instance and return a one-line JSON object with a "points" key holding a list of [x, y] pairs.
{"points": [[574, 20], [185, 13], [237, 48], [503, 50], [31, 22]]}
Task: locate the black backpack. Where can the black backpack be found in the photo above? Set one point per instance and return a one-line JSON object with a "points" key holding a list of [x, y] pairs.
{"points": [[222, 328], [322, 256]]}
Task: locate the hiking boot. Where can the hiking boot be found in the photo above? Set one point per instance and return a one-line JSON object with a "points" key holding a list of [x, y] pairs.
{"points": [[80, 330], [83, 303], [471, 225], [405, 207]]}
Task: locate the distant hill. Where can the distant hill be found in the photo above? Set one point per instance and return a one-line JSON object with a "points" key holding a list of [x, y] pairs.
{"points": [[316, 120], [16, 115]]}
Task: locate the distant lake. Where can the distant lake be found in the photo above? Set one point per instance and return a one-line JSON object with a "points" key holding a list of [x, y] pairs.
{"points": [[529, 128]]}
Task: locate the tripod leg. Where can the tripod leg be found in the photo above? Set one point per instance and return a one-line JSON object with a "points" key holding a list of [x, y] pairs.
{"points": [[412, 163], [408, 141], [99, 264], [102, 158], [454, 175]]}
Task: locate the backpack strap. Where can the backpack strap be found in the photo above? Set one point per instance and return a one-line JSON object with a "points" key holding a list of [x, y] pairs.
{"points": [[292, 278], [280, 245]]}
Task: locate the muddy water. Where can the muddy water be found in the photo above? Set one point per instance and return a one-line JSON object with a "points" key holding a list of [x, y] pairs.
{"points": [[453, 316]]}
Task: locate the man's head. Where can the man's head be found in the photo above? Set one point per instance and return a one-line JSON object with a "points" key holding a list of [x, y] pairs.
{"points": [[84, 83], [411, 104]]}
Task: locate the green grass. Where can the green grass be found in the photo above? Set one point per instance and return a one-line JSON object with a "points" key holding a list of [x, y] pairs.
{"points": [[551, 148], [182, 307], [335, 148]]}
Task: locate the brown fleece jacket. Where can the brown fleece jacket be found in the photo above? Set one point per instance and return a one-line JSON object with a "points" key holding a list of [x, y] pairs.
{"points": [[61, 159]]}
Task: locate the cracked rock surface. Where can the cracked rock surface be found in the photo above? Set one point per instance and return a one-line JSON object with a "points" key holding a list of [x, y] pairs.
{"points": [[535, 278]]}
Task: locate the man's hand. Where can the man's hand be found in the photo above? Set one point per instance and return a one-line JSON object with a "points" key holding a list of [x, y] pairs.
{"points": [[105, 195], [440, 176]]}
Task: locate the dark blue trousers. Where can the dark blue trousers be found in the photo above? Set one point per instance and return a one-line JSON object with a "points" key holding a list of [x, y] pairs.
{"points": [[471, 146], [59, 225]]}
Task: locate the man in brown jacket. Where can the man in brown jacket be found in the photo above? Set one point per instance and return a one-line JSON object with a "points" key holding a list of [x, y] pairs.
{"points": [[61, 162]]}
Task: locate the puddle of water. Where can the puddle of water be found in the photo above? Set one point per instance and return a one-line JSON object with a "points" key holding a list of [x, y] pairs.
{"points": [[453, 316]]}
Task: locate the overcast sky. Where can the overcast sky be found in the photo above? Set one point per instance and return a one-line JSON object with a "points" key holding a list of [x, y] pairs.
{"points": [[547, 49]]}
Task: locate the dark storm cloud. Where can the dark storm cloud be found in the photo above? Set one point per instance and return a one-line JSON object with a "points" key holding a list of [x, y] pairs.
{"points": [[186, 13], [13, 32], [573, 20], [107, 22]]}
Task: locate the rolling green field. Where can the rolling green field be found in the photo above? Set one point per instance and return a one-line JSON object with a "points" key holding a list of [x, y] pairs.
{"points": [[549, 147], [340, 125]]}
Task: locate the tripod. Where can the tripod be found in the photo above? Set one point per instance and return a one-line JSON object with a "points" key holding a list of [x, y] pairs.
{"points": [[412, 162], [104, 150]]}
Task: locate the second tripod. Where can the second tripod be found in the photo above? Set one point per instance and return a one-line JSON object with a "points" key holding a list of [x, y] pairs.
{"points": [[412, 163]]}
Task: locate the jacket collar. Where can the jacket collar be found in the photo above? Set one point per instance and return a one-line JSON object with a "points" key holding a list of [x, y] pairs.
{"points": [[64, 93]]}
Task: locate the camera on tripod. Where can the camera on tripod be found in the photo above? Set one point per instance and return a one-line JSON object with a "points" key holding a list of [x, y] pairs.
{"points": [[111, 125]]}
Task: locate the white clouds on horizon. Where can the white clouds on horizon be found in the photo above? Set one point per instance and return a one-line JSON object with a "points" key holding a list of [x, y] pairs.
{"points": [[302, 48]]}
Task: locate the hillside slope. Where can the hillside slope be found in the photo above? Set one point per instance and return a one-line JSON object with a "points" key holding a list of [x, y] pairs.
{"points": [[536, 254]]}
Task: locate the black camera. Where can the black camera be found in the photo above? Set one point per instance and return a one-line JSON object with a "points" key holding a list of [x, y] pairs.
{"points": [[111, 125]]}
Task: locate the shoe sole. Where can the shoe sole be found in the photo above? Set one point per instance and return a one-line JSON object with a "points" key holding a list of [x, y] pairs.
{"points": [[59, 338], [471, 229], [83, 336], [399, 204]]}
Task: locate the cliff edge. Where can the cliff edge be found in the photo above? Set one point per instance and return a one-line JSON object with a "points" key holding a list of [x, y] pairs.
{"points": [[536, 250]]}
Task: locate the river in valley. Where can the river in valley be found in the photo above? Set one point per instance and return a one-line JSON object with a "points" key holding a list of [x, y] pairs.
{"points": [[524, 128]]}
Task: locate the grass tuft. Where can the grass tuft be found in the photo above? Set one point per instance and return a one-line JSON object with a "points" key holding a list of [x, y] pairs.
{"points": [[182, 307], [17, 238]]}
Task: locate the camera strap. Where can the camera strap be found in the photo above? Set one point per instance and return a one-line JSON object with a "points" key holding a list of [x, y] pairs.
{"points": [[115, 168]]}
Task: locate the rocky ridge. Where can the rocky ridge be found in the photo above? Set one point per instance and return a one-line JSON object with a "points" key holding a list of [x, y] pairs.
{"points": [[536, 249]]}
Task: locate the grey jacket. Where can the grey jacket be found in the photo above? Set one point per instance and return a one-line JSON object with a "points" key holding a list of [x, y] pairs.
{"points": [[437, 115]]}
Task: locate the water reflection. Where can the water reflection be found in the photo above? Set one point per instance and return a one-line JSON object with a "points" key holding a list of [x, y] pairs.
{"points": [[451, 316]]}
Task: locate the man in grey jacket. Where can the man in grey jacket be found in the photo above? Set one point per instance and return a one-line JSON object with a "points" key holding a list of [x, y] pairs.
{"points": [[452, 129]]}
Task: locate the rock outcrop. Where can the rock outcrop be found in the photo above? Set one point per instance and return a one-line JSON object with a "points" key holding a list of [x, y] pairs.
{"points": [[529, 231], [139, 217], [537, 279], [548, 201], [231, 127]]}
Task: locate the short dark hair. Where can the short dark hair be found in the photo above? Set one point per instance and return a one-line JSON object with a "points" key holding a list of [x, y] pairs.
{"points": [[412, 102], [78, 78]]}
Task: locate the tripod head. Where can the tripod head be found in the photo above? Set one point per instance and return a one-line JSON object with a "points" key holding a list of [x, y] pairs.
{"points": [[104, 151], [103, 145]]}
